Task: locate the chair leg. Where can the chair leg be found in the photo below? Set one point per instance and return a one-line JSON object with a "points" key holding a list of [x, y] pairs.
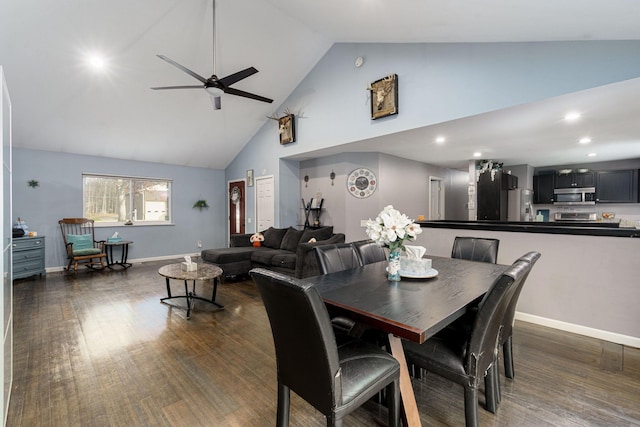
{"points": [[490, 392], [393, 403], [471, 405], [507, 349], [284, 402], [496, 373]]}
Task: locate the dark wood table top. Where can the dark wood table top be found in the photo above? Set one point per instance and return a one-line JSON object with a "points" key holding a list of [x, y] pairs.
{"points": [[414, 309]]}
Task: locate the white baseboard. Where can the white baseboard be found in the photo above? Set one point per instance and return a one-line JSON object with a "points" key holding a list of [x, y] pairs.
{"points": [[133, 261], [581, 330]]}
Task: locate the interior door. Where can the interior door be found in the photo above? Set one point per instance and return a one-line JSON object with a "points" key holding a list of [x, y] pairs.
{"points": [[436, 199], [265, 203], [236, 207]]}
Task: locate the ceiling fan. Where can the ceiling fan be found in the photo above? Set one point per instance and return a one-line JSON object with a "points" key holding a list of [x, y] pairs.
{"points": [[214, 86]]}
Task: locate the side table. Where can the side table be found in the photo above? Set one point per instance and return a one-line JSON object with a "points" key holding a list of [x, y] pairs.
{"points": [[205, 272], [123, 257]]}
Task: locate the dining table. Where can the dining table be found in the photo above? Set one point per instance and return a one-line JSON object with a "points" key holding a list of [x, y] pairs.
{"points": [[414, 308]]}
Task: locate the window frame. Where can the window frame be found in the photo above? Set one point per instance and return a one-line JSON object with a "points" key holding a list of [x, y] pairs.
{"points": [[132, 179]]}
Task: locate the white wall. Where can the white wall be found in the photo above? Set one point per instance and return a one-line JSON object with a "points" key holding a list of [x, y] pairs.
{"points": [[587, 284]]}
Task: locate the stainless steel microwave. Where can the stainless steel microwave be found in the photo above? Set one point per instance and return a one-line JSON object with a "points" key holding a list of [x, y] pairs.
{"points": [[574, 196]]}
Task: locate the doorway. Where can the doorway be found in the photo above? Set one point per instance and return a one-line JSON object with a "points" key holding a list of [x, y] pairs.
{"points": [[265, 203], [436, 198], [236, 207]]}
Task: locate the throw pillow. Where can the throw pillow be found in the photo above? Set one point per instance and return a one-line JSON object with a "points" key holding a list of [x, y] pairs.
{"points": [[273, 237], [80, 241], [322, 233], [291, 239]]}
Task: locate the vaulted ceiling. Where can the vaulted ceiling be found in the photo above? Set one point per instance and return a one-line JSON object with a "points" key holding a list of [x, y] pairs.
{"points": [[62, 104]]}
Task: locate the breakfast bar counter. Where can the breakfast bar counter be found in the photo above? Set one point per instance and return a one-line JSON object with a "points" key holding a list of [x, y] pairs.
{"points": [[575, 228]]}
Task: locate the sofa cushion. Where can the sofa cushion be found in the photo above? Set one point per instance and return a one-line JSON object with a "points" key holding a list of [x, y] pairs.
{"points": [[227, 255], [322, 233], [287, 260], [273, 237], [264, 255], [291, 239]]}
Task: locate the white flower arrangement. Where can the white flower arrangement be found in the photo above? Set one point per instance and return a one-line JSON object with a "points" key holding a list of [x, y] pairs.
{"points": [[392, 229]]}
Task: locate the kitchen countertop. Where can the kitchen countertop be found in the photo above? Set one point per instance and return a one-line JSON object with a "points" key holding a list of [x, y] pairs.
{"points": [[577, 228]]}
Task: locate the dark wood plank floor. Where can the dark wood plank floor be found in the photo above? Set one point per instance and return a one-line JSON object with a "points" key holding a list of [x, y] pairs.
{"points": [[100, 349]]}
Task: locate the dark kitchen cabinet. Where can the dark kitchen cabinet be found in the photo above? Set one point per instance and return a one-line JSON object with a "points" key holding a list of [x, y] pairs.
{"points": [[492, 196], [619, 186], [543, 186], [575, 180]]}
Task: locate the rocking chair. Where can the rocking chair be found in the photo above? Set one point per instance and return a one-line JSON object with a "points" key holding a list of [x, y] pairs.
{"points": [[81, 244]]}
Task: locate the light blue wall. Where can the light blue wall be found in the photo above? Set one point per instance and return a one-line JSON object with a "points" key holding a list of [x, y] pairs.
{"points": [[60, 195], [437, 83]]}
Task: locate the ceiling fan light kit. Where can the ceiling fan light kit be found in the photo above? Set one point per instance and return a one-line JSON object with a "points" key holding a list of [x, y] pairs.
{"points": [[214, 86]]}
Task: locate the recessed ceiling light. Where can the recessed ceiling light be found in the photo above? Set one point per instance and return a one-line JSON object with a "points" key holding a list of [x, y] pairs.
{"points": [[585, 140], [96, 61], [440, 139], [591, 155], [477, 154], [572, 116]]}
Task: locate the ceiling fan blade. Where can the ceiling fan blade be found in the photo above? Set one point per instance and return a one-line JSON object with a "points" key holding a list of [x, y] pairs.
{"points": [[215, 101], [233, 91], [177, 87], [183, 68], [236, 77]]}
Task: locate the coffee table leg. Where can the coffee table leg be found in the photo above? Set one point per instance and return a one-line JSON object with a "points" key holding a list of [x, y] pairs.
{"points": [[168, 288]]}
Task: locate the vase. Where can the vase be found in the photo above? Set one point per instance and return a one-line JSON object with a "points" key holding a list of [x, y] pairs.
{"points": [[393, 269]]}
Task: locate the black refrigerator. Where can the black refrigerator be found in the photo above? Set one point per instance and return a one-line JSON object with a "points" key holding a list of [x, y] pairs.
{"points": [[492, 195]]}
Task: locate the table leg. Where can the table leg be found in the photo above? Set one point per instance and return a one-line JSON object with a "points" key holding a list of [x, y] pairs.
{"points": [[188, 295], [168, 288], [410, 415], [109, 255]]}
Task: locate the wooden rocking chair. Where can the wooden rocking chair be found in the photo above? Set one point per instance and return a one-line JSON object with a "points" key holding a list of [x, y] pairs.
{"points": [[81, 244]]}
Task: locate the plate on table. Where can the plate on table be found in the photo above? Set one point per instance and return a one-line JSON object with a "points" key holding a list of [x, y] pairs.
{"points": [[427, 275]]}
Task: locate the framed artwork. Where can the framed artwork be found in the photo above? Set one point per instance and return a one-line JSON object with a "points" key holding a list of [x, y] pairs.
{"points": [[287, 129], [249, 177], [361, 183], [384, 97]]}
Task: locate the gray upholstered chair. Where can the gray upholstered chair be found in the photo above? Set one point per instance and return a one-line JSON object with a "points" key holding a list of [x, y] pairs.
{"points": [[475, 249], [469, 358], [335, 381], [369, 251]]}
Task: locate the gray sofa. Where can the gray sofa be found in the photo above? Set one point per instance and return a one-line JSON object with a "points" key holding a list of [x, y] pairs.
{"points": [[286, 250]]}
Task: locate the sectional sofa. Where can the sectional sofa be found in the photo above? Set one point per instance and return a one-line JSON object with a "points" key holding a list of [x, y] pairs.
{"points": [[286, 250]]}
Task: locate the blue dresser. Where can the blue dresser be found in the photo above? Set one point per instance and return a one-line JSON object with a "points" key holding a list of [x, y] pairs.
{"points": [[28, 256]]}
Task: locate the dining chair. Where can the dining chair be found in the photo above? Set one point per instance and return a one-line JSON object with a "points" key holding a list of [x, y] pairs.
{"points": [[331, 259], [507, 323], [468, 358], [337, 257], [334, 380], [475, 249], [369, 251]]}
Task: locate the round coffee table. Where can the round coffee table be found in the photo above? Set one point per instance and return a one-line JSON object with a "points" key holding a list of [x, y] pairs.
{"points": [[205, 272]]}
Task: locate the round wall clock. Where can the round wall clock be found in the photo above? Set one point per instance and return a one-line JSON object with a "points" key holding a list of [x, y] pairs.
{"points": [[362, 183]]}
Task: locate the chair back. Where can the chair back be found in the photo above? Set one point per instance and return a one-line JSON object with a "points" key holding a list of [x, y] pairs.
{"points": [[483, 343], [76, 226], [306, 352], [507, 327], [475, 249], [336, 257], [369, 252]]}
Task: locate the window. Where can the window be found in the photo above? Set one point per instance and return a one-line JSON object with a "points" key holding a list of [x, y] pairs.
{"points": [[118, 200]]}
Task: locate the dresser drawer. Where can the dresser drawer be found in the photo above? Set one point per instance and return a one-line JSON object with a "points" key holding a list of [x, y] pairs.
{"points": [[28, 268], [23, 244], [19, 256]]}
